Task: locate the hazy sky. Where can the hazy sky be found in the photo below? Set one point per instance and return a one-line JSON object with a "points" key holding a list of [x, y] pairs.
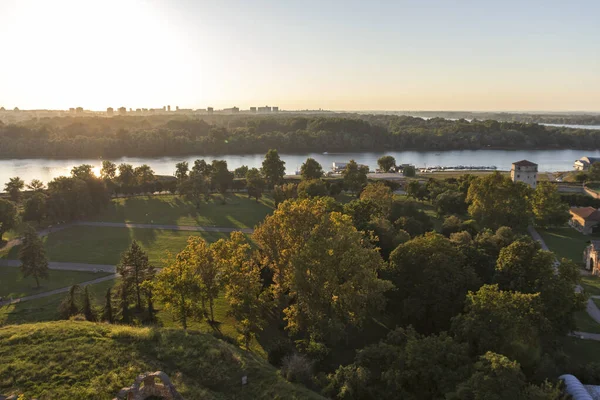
{"points": [[352, 55]]}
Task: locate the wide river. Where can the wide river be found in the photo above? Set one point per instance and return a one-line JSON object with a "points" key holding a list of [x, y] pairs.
{"points": [[548, 160]]}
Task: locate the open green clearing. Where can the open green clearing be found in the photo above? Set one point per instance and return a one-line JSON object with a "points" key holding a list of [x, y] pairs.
{"points": [[566, 242], [100, 245], [238, 212], [104, 358], [585, 323], [591, 284], [12, 283]]}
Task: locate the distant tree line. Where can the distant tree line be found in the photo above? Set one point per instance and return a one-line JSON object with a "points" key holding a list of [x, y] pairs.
{"points": [[161, 135]]}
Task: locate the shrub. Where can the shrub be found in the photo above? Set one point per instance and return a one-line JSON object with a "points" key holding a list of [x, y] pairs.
{"points": [[297, 368]]}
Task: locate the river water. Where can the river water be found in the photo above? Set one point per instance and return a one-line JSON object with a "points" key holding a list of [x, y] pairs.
{"points": [[548, 160]]}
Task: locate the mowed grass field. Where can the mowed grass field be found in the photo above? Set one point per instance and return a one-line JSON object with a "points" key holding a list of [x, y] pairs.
{"points": [[101, 245], [13, 284], [567, 242], [238, 212]]}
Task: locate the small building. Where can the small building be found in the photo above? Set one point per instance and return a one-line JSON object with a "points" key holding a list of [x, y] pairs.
{"points": [[591, 254], [584, 163], [524, 171], [110, 111], [584, 219]]}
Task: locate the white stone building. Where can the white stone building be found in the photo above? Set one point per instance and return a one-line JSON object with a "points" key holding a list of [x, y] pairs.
{"points": [[524, 171]]}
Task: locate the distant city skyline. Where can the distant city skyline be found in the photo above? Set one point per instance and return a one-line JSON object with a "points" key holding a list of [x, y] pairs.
{"points": [[349, 55]]}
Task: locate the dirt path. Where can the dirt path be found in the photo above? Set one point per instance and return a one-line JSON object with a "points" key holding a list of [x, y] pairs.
{"points": [[56, 291]]}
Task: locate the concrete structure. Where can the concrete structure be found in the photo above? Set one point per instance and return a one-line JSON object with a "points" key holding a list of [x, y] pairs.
{"points": [[110, 111], [584, 163], [577, 390], [584, 219], [590, 257], [252, 109], [145, 386], [122, 110], [265, 109], [338, 167], [210, 110], [275, 109], [524, 171]]}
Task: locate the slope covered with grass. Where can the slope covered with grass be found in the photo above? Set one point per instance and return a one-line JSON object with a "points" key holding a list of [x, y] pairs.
{"points": [[83, 360]]}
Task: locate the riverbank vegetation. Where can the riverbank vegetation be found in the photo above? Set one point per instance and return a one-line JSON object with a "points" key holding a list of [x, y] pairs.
{"points": [[152, 136]]}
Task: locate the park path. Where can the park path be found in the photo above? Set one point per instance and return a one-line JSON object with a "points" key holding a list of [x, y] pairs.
{"points": [[67, 266], [590, 307], [57, 291], [165, 227]]}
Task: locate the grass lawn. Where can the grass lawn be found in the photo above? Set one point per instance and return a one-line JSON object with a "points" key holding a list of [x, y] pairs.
{"points": [[581, 351], [12, 283], [83, 360], [591, 284], [566, 242], [239, 212], [93, 245], [585, 323], [456, 174]]}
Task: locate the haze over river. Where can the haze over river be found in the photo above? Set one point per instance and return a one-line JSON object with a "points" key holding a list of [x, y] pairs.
{"points": [[548, 160]]}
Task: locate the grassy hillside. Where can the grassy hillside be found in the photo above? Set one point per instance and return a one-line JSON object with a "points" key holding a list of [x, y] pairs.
{"points": [[82, 360]]}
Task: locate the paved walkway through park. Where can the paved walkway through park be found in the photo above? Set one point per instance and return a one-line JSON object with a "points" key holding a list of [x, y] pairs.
{"points": [[67, 266], [166, 227], [57, 291]]}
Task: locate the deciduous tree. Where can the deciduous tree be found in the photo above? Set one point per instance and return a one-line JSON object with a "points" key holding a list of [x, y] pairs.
{"points": [[386, 163], [380, 194], [108, 171], [34, 208], [312, 188], [135, 270], [355, 176], [255, 183], [311, 169], [181, 171], [547, 206], [36, 185], [8, 216], [273, 168], [13, 187], [221, 177]]}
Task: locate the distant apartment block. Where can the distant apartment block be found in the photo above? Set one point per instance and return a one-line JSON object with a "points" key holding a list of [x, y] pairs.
{"points": [[210, 110], [275, 109], [265, 109], [110, 111], [252, 109], [122, 111]]}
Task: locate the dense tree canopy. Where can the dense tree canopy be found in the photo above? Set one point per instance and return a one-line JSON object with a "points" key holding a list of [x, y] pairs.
{"points": [[151, 136]]}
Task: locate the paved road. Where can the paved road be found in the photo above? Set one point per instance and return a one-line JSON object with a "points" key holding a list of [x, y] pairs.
{"points": [[166, 227], [57, 291], [67, 266]]}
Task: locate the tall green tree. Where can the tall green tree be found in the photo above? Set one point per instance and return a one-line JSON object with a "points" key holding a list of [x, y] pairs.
{"points": [[201, 167], [34, 208], [255, 183], [380, 194], [548, 207], [70, 304], [202, 257], [243, 286], [126, 175], [241, 172], [87, 309], [178, 287], [14, 187], [273, 168], [36, 185], [107, 311], [386, 163], [135, 269], [506, 322], [495, 201], [8, 216], [108, 170], [355, 176], [221, 177], [311, 169], [83, 171], [195, 188], [432, 279], [181, 171], [312, 188], [33, 256], [143, 174]]}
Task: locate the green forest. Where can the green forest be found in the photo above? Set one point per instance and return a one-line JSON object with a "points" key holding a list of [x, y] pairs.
{"points": [[148, 136]]}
